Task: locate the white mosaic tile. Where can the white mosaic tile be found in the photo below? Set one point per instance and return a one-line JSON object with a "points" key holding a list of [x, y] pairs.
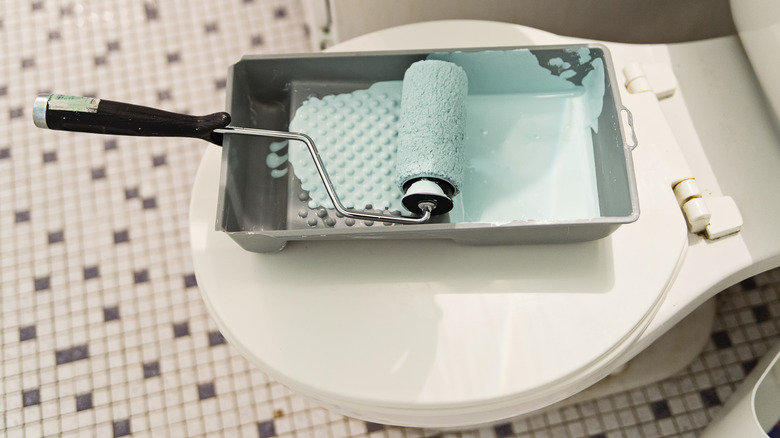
{"points": [[103, 330]]}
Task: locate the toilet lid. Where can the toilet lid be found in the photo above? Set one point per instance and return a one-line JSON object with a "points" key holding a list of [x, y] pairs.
{"points": [[434, 333]]}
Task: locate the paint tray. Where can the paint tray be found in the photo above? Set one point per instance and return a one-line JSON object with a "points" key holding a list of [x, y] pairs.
{"points": [[548, 147]]}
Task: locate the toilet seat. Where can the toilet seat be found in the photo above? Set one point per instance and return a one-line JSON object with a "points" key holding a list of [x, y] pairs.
{"points": [[437, 334]]}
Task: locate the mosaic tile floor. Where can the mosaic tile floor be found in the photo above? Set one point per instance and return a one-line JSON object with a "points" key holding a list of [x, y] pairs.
{"points": [[103, 330]]}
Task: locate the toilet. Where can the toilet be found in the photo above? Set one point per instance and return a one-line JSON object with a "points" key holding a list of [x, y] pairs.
{"points": [[436, 334]]}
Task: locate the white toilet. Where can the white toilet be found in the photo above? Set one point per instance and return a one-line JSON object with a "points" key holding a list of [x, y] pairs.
{"points": [[437, 334]]}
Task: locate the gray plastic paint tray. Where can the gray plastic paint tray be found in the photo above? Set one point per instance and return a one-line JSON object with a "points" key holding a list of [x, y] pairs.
{"points": [[548, 147]]}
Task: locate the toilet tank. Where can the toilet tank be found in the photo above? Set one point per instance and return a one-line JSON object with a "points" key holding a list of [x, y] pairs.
{"points": [[758, 24]]}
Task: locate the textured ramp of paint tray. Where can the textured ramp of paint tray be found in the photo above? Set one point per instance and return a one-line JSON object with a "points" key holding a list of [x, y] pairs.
{"points": [[356, 135]]}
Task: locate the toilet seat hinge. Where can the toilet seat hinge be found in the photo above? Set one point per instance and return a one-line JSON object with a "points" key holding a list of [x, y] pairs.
{"points": [[656, 78], [713, 217]]}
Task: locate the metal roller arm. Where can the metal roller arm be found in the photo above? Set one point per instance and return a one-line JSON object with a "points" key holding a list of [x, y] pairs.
{"points": [[426, 208]]}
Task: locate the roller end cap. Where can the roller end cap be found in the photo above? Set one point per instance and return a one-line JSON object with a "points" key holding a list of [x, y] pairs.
{"points": [[40, 106], [424, 193]]}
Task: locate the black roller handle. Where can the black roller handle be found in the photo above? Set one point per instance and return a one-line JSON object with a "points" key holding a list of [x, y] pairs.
{"points": [[88, 114]]}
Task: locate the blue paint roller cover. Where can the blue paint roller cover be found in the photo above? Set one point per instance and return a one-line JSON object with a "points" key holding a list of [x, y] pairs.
{"points": [[433, 115]]}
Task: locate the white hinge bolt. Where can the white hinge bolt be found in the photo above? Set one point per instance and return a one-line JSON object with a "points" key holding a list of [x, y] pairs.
{"points": [[697, 214], [636, 79], [656, 78]]}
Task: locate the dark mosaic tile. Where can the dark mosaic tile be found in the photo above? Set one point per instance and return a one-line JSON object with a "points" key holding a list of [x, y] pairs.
{"points": [[173, 57], [91, 272], [37, 6], [190, 281], [141, 276], [72, 354], [151, 369], [121, 236], [113, 46], [249, 1], [28, 62], [761, 313], [220, 84], [22, 216], [99, 173], [16, 113], [83, 402], [211, 27], [216, 338], [49, 157], [149, 203], [159, 160], [42, 283], [150, 9], [748, 365], [54, 35], [3, 90], [56, 237], [660, 409], [748, 283], [31, 397], [721, 339], [280, 12], [66, 10], [110, 144], [598, 435], [181, 329], [373, 427], [266, 429], [122, 428], [101, 60], [164, 95], [5, 153], [110, 313], [504, 430], [257, 40], [206, 390], [26, 333], [131, 193], [709, 397]]}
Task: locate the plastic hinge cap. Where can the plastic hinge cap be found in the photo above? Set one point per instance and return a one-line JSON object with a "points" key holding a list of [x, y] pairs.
{"points": [[662, 80], [726, 218]]}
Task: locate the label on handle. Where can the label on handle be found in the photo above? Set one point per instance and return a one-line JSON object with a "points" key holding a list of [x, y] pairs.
{"points": [[73, 103]]}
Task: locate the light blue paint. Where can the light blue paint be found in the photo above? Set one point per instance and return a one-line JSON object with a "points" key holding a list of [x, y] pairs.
{"points": [[594, 91], [529, 157], [582, 52], [278, 173], [560, 63], [356, 135], [566, 74], [505, 72], [275, 161]]}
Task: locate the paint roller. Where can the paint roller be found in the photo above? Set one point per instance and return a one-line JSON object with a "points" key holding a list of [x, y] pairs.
{"points": [[429, 160]]}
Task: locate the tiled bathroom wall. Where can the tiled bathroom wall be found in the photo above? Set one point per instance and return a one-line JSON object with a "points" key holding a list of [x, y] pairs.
{"points": [[103, 329]]}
